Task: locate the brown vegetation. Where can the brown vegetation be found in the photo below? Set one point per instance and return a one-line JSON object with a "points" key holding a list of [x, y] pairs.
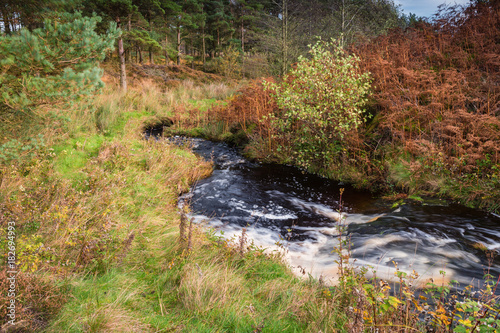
{"points": [[251, 106], [38, 300], [438, 100], [170, 76], [437, 87]]}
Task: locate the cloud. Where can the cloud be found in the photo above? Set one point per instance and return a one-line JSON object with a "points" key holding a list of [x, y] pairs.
{"points": [[425, 7]]}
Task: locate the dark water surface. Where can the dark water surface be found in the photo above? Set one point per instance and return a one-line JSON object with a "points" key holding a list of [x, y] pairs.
{"points": [[282, 204]]}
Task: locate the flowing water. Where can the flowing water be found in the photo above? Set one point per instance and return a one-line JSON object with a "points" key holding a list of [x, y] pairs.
{"points": [[282, 205]]}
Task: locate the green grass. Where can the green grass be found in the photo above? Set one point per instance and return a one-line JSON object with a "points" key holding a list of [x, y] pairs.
{"points": [[227, 293], [74, 154], [203, 104], [416, 198]]}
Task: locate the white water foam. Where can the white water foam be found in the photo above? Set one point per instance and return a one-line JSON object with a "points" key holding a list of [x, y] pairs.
{"points": [[315, 256]]}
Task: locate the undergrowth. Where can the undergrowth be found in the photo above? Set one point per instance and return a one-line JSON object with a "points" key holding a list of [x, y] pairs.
{"points": [[82, 191], [412, 304]]}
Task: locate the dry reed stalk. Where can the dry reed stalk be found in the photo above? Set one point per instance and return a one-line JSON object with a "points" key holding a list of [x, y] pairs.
{"points": [[126, 246], [189, 243], [182, 228], [242, 242]]}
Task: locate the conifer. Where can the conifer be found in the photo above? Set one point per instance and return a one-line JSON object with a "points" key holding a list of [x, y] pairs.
{"points": [[53, 64]]}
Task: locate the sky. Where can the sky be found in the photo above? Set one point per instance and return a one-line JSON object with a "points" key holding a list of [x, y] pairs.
{"points": [[425, 8]]}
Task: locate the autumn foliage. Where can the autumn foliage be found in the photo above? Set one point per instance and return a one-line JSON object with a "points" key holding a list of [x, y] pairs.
{"points": [[251, 104], [437, 93], [437, 86], [249, 111]]}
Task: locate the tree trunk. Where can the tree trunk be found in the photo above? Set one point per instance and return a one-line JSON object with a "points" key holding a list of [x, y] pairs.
{"points": [[151, 57], [178, 44], [166, 48], [242, 37], [123, 74], [218, 42], [191, 51], [150, 49], [121, 55], [243, 50], [284, 32], [343, 24], [203, 51], [6, 22], [140, 54]]}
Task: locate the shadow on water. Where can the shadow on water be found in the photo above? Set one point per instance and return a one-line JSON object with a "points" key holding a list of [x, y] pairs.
{"points": [[283, 204]]}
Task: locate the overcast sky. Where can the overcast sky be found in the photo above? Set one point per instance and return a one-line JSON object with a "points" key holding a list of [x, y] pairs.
{"points": [[425, 7]]}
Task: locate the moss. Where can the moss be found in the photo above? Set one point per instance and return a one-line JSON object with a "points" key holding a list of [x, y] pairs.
{"points": [[416, 198]]}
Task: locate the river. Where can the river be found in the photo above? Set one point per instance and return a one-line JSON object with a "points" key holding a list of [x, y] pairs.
{"points": [[300, 212]]}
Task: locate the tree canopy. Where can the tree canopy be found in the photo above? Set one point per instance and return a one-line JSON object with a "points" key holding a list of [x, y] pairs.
{"points": [[274, 31]]}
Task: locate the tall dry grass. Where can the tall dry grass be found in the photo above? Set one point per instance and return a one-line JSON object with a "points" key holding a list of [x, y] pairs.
{"points": [[204, 288]]}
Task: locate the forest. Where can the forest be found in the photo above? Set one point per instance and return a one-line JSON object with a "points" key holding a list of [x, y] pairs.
{"points": [[270, 35], [92, 236]]}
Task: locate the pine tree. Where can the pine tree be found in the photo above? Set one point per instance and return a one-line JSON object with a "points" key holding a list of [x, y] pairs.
{"points": [[28, 14], [186, 20], [219, 20], [152, 14], [247, 13], [114, 11], [142, 40], [53, 64], [170, 9]]}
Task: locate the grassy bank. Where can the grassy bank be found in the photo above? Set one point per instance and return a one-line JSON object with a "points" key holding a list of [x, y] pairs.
{"points": [[97, 232]]}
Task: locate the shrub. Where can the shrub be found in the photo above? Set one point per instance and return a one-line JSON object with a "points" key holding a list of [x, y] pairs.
{"points": [[230, 63], [437, 99], [38, 299], [320, 102]]}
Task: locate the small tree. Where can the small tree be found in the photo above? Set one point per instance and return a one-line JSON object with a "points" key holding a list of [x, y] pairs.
{"points": [[53, 64], [320, 101], [230, 63]]}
